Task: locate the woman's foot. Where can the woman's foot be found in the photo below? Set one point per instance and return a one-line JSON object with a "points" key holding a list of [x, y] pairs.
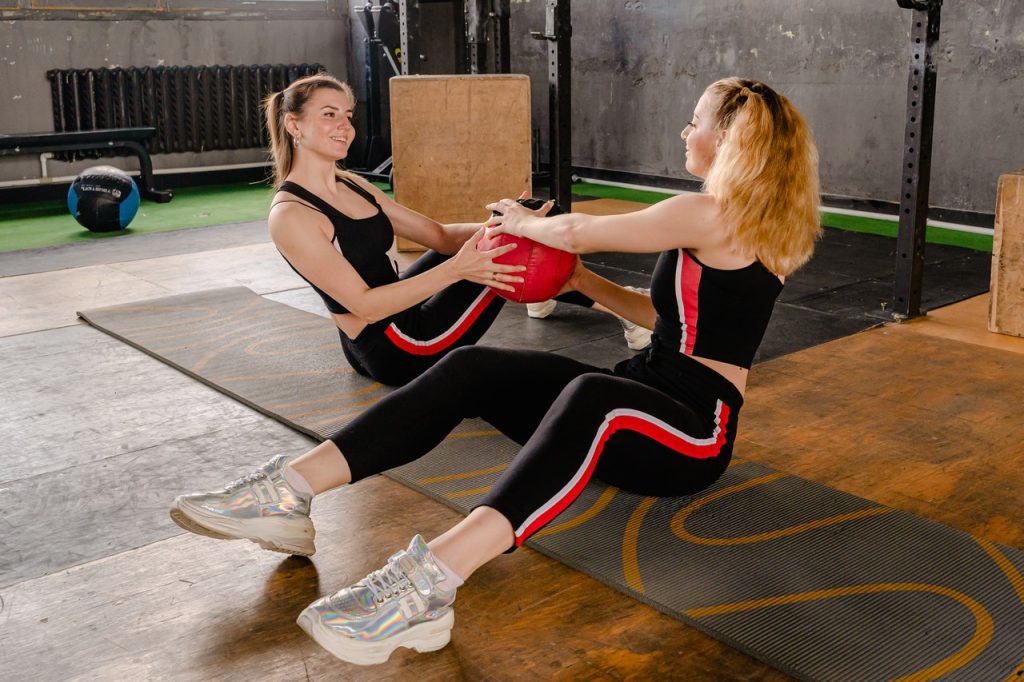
{"points": [[407, 603], [262, 507], [542, 309], [637, 337]]}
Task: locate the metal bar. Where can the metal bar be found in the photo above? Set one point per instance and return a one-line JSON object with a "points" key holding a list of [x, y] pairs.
{"points": [[559, 25], [476, 31], [917, 156], [403, 30], [502, 37], [459, 36]]}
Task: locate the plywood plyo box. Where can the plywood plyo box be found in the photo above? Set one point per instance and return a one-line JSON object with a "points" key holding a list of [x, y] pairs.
{"points": [[459, 143], [1006, 311]]}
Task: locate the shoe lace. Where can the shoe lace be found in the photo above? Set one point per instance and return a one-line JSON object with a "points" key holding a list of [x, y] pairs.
{"points": [[386, 582], [245, 480]]}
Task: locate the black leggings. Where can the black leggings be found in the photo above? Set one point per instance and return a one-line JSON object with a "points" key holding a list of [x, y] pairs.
{"points": [[656, 425], [398, 349]]}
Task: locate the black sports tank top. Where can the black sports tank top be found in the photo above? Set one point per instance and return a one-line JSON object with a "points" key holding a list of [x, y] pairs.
{"points": [[716, 314], [364, 242]]}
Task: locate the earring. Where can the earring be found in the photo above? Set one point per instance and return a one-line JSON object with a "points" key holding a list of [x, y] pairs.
{"points": [[295, 140]]}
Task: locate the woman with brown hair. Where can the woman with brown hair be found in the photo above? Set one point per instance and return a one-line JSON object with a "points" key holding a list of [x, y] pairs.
{"points": [[661, 423], [335, 229]]}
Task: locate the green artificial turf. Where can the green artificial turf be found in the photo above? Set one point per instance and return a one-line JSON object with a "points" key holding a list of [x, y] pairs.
{"points": [[32, 225], [46, 223], [29, 226]]}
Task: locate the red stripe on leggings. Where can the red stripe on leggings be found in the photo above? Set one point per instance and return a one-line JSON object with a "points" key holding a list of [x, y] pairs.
{"points": [[644, 427], [442, 342]]}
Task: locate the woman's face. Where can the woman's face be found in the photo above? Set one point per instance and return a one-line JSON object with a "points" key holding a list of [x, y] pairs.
{"points": [[325, 126], [702, 137]]}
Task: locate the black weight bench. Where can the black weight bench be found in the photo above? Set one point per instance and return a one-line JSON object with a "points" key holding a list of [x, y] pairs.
{"points": [[129, 139]]}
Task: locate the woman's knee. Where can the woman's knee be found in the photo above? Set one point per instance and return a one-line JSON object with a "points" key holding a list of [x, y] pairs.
{"points": [[590, 385], [468, 365]]}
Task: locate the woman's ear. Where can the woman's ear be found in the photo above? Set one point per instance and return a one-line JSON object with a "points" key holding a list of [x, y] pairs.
{"points": [[291, 124]]}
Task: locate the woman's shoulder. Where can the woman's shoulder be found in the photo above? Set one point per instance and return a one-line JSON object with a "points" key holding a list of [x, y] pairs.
{"points": [[292, 214], [360, 182], [694, 217]]}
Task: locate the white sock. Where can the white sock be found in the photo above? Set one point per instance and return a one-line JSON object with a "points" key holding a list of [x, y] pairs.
{"points": [[296, 480], [451, 578]]}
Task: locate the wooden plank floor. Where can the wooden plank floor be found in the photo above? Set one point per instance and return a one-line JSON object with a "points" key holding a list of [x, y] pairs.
{"points": [[921, 416]]}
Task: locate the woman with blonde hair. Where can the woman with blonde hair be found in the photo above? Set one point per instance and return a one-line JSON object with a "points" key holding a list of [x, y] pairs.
{"points": [[661, 423]]}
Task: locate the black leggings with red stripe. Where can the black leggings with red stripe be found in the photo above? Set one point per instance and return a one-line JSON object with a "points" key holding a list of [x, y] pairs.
{"points": [[398, 349], [657, 424]]}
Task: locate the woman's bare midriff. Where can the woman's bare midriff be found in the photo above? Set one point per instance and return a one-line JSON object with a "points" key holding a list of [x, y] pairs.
{"points": [[734, 373]]}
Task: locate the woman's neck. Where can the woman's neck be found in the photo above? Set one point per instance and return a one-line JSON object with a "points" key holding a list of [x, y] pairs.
{"points": [[316, 175]]}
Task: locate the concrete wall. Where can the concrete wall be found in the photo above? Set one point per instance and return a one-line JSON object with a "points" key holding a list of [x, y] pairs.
{"points": [[30, 47], [640, 65]]}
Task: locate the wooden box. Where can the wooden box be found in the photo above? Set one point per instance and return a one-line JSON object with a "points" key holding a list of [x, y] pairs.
{"points": [[1006, 307], [459, 143]]}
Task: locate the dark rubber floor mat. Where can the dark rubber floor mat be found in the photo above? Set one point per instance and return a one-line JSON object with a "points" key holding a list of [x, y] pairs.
{"points": [[818, 583]]}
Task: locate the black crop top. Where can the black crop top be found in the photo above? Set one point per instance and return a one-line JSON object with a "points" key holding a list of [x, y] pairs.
{"points": [[715, 314], [364, 242]]}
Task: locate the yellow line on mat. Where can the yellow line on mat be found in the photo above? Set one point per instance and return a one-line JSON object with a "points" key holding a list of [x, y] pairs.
{"points": [[630, 565], [678, 523], [599, 504], [983, 626]]}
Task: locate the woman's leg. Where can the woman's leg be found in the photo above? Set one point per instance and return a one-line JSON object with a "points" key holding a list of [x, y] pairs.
{"points": [[456, 316], [511, 389], [626, 433], [630, 434]]}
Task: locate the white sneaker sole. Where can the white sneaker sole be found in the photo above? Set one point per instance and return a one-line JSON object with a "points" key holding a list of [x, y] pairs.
{"points": [[638, 341], [291, 536], [539, 311], [431, 635]]}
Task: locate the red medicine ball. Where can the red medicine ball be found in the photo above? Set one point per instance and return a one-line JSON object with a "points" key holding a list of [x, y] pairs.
{"points": [[547, 268]]}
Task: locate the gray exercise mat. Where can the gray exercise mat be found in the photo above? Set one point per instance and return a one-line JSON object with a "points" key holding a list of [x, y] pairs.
{"points": [[279, 360], [818, 583]]}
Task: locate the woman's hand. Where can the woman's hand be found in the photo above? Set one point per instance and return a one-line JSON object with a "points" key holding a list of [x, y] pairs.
{"points": [[511, 215], [479, 266]]}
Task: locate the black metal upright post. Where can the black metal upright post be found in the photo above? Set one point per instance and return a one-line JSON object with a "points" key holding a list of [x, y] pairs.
{"points": [[502, 48], [375, 144], [558, 33], [403, 35], [917, 156], [476, 35]]}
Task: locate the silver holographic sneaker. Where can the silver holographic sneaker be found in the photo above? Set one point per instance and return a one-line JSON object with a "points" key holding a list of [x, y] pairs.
{"points": [[261, 507], [401, 604]]}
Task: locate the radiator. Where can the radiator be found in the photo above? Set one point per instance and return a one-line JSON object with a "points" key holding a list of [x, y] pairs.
{"points": [[193, 108]]}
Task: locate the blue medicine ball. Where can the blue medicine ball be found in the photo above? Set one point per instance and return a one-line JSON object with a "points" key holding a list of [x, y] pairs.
{"points": [[103, 199]]}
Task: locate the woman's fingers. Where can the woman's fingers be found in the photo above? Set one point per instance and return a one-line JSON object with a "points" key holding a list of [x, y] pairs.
{"points": [[508, 268], [499, 251], [476, 236]]}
